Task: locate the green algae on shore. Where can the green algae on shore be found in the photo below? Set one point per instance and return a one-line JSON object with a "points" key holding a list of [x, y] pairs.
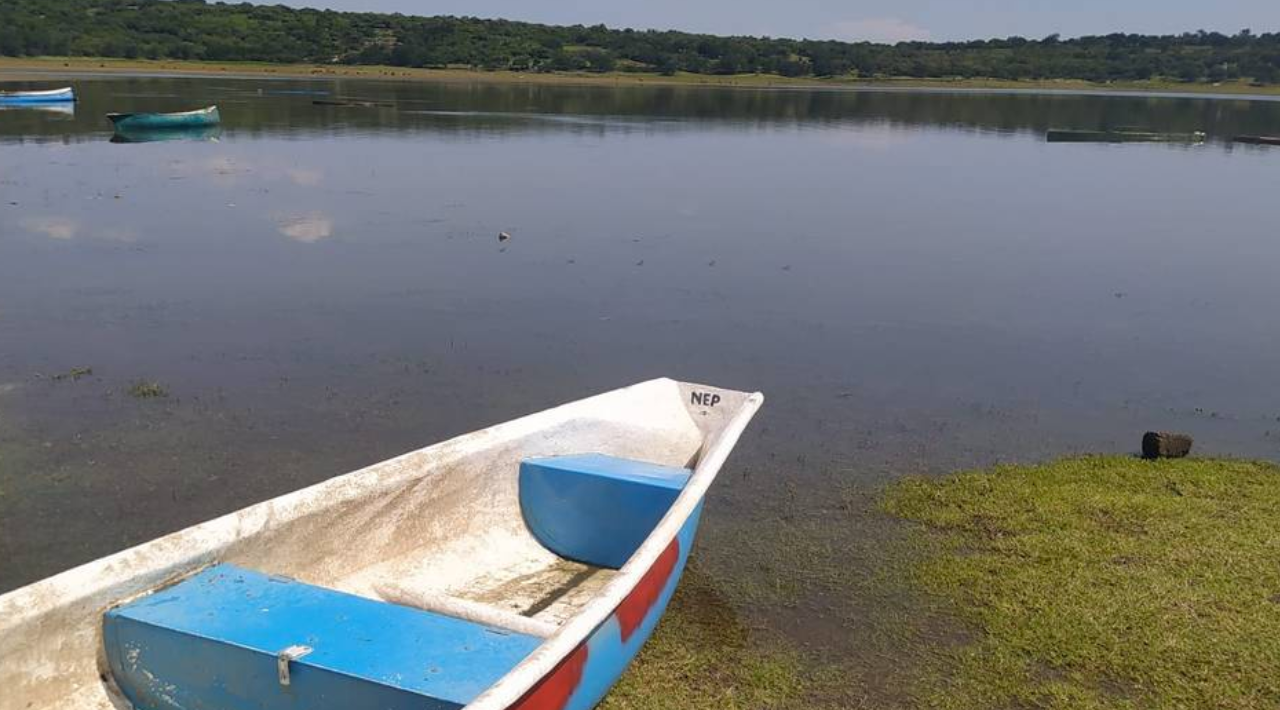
{"points": [[703, 658], [1103, 582], [817, 569]]}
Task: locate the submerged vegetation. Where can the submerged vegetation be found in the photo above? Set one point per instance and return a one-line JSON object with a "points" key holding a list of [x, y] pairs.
{"points": [[195, 30], [144, 389], [74, 374], [702, 655], [1104, 582]]}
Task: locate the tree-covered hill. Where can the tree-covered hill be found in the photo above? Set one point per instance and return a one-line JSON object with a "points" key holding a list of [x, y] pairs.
{"points": [[193, 29]]}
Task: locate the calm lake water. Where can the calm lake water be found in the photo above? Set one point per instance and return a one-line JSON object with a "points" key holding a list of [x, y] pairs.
{"points": [[916, 280]]}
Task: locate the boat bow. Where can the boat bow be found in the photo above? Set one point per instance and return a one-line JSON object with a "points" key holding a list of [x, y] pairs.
{"points": [[563, 653]]}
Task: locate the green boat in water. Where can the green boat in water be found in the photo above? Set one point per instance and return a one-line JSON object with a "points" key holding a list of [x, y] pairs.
{"points": [[202, 118], [1123, 136]]}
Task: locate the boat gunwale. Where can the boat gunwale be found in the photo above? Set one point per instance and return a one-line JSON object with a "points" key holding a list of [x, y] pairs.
{"points": [[175, 114], [522, 679], [39, 92], [67, 93]]}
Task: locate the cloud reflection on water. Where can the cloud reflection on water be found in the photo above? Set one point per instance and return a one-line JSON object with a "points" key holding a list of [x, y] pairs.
{"points": [[307, 229], [61, 228]]}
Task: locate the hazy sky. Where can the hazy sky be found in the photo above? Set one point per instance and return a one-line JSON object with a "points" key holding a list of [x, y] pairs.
{"points": [[877, 20]]}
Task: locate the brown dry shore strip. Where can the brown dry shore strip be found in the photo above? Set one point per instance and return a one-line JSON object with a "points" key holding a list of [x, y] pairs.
{"points": [[37, 68]]}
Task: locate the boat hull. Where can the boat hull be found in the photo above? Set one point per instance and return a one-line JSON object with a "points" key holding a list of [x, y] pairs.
{"points": [[205, 118], [22, 98], [583, 679], [1061, 136]]}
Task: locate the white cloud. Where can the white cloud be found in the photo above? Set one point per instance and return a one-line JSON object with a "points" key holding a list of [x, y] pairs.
{"points": [[52, 227], [307, 229], [886, 30]]}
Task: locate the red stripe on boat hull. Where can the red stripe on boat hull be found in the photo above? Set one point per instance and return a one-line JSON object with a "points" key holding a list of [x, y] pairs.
{"points": [[556, 691], [552, 692], [633, 610]]}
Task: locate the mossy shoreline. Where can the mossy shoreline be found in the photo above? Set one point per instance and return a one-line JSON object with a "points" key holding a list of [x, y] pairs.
{"points": [[1097, 583], [1103, 583], [33, 68]]}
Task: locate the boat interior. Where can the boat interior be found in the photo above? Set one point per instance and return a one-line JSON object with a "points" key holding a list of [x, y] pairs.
{"points": [[420, 581]]}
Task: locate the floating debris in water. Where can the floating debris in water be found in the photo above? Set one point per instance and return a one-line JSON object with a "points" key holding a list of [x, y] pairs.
{"points": [[352, 103], [148, 390], [503, 236], [73, 374]]}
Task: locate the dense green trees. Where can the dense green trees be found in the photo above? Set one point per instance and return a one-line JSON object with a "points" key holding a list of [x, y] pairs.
{"points": [[193, 29]]}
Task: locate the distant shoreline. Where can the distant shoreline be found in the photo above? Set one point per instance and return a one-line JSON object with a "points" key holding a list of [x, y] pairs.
{"points": [[35, 68]]}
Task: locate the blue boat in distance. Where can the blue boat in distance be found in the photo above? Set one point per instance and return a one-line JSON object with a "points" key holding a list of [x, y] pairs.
{"points": [[201, 118], [55, 96]]}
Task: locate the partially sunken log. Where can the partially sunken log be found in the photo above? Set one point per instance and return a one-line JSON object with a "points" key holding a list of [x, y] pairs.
{"points": [[1163, 445]]}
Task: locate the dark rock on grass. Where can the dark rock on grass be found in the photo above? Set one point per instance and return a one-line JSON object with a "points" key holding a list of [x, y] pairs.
{"points": [[1163, 445]]}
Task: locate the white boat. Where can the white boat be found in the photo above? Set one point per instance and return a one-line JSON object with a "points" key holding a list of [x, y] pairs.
{"points": [[520, 567], [63, 95]]}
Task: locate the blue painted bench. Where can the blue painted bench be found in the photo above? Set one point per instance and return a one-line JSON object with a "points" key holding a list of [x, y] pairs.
{"points": [[232, 638], [594, 508]]}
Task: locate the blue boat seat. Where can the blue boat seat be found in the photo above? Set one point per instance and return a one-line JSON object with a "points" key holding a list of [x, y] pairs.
{"points": [[596, 509], [232, 638]]}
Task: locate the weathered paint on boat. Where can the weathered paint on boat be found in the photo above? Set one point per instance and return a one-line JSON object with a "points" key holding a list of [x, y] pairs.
{"points": [[440, 530], [1073, 136], [52, 96], [150, 121]]}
